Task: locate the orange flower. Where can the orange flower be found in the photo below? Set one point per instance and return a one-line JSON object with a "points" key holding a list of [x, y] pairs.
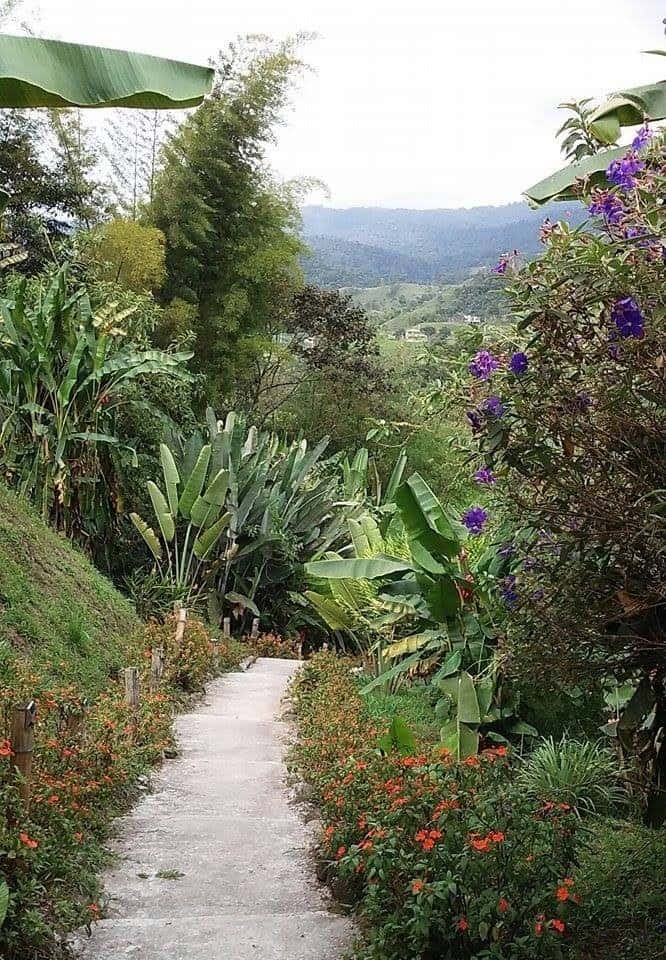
{"points": [[463, 924], [562, 894], [472, 761], [93, 910], [538, 928], [497, 836], [480, 844], [340, 853], [28, 841], [417, 886], [557, 925], [503, 905], [6, 748]]}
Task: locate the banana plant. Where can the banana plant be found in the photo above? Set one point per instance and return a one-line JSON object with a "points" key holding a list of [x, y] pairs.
{"points": [[64, 369], [404, 596], [193, 505]]}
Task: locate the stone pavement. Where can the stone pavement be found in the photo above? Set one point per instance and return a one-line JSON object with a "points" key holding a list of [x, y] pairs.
{"points": [[213, 864]]}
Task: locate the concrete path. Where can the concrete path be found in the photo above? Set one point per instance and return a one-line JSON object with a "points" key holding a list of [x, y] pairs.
{"points": [[213, 863]]}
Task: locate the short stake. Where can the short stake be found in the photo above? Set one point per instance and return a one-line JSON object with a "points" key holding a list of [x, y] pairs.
{"points": [[23, 739], [132, 687], [156, 668]]}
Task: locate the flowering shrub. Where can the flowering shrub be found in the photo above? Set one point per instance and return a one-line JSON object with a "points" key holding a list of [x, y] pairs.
{"points": [[85, 768], [579, 449], [447, 859], [274, 645]]}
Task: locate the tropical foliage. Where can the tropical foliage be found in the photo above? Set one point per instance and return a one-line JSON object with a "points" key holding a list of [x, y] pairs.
{"points": [[64, 371]]}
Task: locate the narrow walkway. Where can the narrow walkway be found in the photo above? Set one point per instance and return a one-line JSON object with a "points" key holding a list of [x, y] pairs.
{"points": [[213, 863]]}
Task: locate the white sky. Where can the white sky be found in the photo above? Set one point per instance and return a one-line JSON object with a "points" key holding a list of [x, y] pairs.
{"points": [[415, 103]]}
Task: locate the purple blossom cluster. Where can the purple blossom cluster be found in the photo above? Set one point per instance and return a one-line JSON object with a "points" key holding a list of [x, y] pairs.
{"points": [[484, 365], [622, 172], [628, 318], [518, 363], [608, 205], [485, 477], [508, 591], [642, 138], [494, 407], [475, 520]]}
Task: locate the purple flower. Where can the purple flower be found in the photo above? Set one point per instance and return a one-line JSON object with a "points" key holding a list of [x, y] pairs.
{"points": [[642, 138], [506, 550], [485, 476], [628, 319], [502, 264], [607, 205], [529, 563], [475, 520], [581, 402], [494, 407], [483, 365], [474, 418], [518, 363], [622, 173], [508, 592]]}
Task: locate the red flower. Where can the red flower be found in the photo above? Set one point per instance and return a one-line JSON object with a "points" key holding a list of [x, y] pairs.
{"points": [[6, 748], [557, 925], [480, 844], [503, 905], [417, 886], [497, 836], [340, 853], [28, 841], [562, 894], [463, 924]]}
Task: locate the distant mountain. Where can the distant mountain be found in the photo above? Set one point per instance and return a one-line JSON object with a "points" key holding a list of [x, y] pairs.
{"points": [[365, 246]]}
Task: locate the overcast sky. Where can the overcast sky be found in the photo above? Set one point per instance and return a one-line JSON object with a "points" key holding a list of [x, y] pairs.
{"points": [[415, 103]]}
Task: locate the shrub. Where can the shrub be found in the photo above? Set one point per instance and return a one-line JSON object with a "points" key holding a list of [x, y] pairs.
{"points": [[447, 858], [583, 775], [622, 882], [274, 645]]}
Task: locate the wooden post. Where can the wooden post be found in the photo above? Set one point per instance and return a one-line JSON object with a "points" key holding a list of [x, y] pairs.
{"points": [[226, 626], [180, 626], [23, 738], [255, 628], [215, 644], [132, 687], [156, 668]]}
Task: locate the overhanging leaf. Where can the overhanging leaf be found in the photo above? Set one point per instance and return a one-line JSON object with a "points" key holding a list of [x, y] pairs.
{"points": [[49, 73], [364, 569]]}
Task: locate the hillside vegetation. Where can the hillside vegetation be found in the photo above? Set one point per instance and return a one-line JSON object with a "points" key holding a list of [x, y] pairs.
{"points": [[58, 613]]}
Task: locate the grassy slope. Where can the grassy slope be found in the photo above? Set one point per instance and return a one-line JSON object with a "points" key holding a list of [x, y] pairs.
{"points": [[56, 611]]}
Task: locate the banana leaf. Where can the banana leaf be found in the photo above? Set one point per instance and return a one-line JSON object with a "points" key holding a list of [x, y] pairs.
{"points": [[148, 535], [207, 540], [370, 569], [171, 478], [627, 108], [195, 482], [161, 508], [558, 186], [48, 73]]}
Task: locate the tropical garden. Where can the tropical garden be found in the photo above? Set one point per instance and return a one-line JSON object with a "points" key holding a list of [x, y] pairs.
{"points": [[465, 542]]}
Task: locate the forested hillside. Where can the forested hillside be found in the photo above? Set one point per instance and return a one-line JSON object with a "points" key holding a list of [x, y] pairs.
{"points": [[365, 246]]}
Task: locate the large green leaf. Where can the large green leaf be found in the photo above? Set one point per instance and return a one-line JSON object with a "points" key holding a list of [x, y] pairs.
{"points": [[195, 482], [364, 569], [161, 508], [558, 186], [148, 535], [49, 73], [468, 704], [430, 532], [207, 540], [460, 739], [171, 478], [331, 612], [627, 108], [207, 507], [4, 900]]}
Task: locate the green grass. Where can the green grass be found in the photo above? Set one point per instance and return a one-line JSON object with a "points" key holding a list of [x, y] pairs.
{"points": [[413, 704], [57, 613]]}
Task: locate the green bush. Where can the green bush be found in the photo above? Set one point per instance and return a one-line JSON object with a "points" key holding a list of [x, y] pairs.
{"points": [[622, 884]]}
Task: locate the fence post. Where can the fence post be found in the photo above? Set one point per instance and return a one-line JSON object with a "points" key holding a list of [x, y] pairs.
{"points": [[156, 668], [215, 644], [180, 626], [255, 628], [132, 687], [226, 627], [23, 738]]}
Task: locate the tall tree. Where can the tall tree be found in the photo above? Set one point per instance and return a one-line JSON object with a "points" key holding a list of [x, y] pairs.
{"points": [[231, 231]]}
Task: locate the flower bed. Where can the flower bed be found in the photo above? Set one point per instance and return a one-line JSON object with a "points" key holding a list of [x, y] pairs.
{"points": [[445, 859], [87, 762]]}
